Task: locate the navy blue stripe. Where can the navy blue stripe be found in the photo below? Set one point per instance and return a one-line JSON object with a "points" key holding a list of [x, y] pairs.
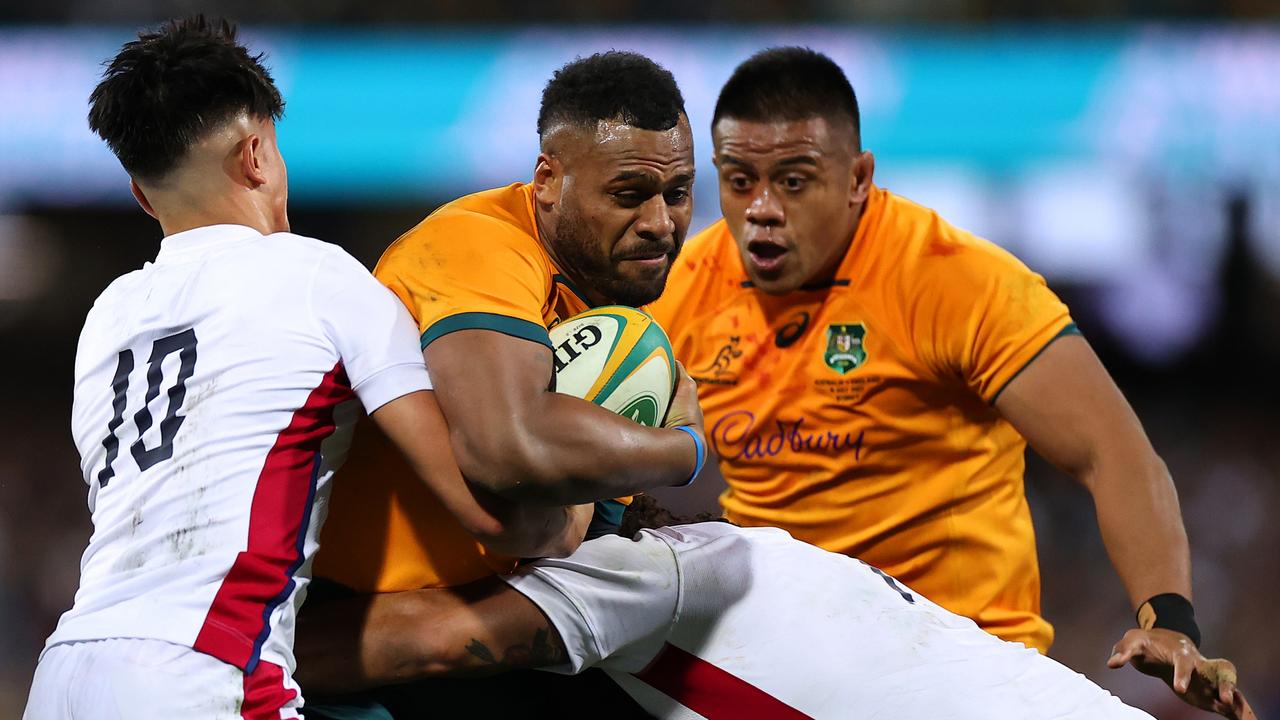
{"points": [[505, 324], [1071, 329], [839, 282], [564, 281], [290, 573]]}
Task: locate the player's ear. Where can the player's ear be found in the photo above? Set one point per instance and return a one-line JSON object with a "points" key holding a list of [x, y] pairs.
{"points": [[548, 180], [864, 167], [253, 160], [141, 197]]}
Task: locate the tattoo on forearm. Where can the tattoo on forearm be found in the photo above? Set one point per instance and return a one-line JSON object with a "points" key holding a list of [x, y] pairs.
{"points": [[541, 652]]}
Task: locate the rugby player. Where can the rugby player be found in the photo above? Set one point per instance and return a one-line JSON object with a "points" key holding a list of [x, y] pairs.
{"points": [[215, 392], [714, 621], [871, 375], [485, 277]]}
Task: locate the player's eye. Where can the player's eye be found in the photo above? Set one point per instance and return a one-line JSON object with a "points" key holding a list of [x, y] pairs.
{"points": [[628, 198], [794, 183], [739, 182], [678, 196]]}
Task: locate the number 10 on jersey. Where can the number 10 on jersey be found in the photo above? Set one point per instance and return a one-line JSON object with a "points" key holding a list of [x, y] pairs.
{"points": [[183, 343]]}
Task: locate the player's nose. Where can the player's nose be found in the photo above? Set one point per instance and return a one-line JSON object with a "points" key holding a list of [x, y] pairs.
{"points": [[765, 208], [655, 221]]}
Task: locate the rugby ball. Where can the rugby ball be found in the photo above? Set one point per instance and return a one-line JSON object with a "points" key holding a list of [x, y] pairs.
{"points": [[618, 358]]}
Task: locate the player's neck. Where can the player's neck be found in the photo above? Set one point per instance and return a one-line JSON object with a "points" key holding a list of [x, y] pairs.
{"points": [[586, 289], [182, 219], [832, 268]]}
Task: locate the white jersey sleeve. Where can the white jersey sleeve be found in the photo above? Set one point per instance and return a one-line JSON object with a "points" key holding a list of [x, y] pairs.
{"points": [[613, 601], [371, 329], [714, 621]]}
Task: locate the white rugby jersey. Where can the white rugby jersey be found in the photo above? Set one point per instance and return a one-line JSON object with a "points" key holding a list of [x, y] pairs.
{"points": [[720, 622], [215, 393]]}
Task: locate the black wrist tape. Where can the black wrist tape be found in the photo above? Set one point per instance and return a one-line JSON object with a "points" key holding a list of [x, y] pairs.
{"points": [[1170, 611]]}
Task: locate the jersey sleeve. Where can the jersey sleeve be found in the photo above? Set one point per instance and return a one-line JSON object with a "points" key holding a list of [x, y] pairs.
{"points": [[464, 272], [984, 316], [613, 601], [372, 331]]}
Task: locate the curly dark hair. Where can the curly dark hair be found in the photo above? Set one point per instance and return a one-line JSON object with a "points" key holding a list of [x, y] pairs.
{"points": [[612, 85], [788, 83], [164, 91], [644, 513]]}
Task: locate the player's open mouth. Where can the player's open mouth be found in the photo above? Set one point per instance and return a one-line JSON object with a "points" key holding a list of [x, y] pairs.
{"points": [[766, 255]]}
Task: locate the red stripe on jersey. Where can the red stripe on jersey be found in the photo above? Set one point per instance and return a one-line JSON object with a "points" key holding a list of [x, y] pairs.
{"points": [[262, 576], [711, 691], [265, 693]]}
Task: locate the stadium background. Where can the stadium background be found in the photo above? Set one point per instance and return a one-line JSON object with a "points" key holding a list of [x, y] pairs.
{"points": [[1129, 150]]}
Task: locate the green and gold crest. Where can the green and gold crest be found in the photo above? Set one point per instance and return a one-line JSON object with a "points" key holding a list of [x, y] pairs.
{"points": [[845, 350]]}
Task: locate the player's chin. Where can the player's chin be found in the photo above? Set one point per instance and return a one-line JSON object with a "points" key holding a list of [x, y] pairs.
{"points": [[636, 289], [648, 273], [775, 282]]}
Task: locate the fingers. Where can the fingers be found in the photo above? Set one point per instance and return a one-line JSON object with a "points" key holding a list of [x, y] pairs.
{"points": [[1221, 675], [683, 373], [1217, 682], [1184, 666], [1130, 645], [684, 409], [1241, 706], [1227, 692]]}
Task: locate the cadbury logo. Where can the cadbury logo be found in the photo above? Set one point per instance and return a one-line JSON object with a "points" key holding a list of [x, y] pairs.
{"points": [[735, 437]]}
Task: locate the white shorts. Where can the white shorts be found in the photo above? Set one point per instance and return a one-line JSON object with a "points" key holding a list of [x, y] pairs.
{"points": [[138, 679]]}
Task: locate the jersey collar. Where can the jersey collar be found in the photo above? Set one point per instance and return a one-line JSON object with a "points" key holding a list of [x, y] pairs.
{"points": [[194, 242]]}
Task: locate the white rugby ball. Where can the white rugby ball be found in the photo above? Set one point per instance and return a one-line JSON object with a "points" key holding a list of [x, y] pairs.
{"points": [[618, 358]]}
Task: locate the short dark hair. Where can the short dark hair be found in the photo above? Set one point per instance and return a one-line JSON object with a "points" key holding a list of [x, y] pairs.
{"points": [[612, 85], [172, 85], [788, 83]]}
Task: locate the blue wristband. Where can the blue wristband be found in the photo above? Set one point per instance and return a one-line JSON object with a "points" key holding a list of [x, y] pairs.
{"points": [[700, 447]]}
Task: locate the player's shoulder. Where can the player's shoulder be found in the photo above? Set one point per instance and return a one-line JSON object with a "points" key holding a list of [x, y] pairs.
{"points": [[303, 251], [710, 248], [705, 258], [122, 286], [484, 221], [706, 271], [121, 291], [924, 249]]}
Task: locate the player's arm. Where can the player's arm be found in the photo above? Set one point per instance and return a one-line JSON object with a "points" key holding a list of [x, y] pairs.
{"points": [[377, 343], [561, 615], [513, 435], [414, 423], [1001, 328], [389, 638], [1071, 412]]}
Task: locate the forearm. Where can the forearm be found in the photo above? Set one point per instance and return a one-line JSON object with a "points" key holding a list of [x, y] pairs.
{"points": [[1072, 413], [567, 452], [1141, 525], [513, 435], [391, 638]]}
